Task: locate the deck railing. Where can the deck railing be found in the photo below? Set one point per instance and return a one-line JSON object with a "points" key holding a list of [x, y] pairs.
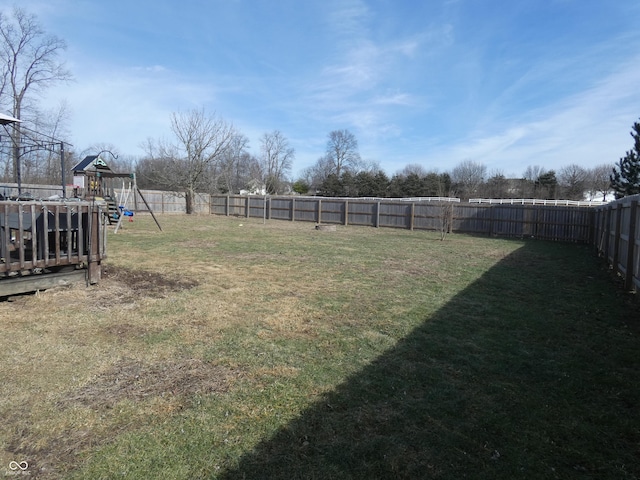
{"points": [[40, 238]]}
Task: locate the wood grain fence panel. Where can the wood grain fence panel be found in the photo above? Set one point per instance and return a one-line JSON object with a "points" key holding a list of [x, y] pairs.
{"points": [[332, 211], [471, 218], [624, 238], [507, 221], [307, 210], [218, 205], [428, 216], [8, 190], [257, 206], [635, 254], [200, 203], [395, 215], [362, 213], [236, 206], [619, 240], [611, 233], [281, 208]]}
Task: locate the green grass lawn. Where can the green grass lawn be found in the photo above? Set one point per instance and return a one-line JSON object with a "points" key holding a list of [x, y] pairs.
{"points": [[228, 348]]}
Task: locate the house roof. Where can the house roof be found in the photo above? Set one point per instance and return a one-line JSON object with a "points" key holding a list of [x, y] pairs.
{"points": [[92, 163]]}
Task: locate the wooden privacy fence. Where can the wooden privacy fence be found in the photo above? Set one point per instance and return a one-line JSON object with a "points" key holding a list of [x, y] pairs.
{"points": [[165, 202], [9, 190], [43, 244], [617, 238], [568, 224], [25, 248]]}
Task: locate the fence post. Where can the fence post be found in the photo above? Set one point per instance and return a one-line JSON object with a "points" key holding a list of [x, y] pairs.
{"points": [[606, 231], [616, 245], [319, 210], [34, 236], [346, 212], [628, 280], [491, 208], [293, 209], [264, 209], [413, 212], [227, 207], [247, 207], [93, 247], [593, 231], [378, 214]]}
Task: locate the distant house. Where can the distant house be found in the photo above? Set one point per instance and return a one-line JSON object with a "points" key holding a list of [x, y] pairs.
{"points": [[254, 187]]}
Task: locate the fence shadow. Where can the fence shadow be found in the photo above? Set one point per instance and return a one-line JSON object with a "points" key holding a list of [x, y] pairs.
{"points": [[507, 380]]}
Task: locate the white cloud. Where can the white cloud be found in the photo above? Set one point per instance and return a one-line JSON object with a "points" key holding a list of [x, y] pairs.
{"points": [[398, 98], [588, 128]]}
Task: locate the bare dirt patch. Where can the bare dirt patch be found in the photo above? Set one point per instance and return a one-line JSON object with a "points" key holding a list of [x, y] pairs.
{"points": [[147, 283], [126, 286], [133, 380]]}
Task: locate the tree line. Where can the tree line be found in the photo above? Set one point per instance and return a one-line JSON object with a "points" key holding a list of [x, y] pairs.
{"points": [[206, 153], [467, 180]]}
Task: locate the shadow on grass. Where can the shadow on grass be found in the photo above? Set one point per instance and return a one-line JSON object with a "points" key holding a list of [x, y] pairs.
{"points": [[531, 372]]}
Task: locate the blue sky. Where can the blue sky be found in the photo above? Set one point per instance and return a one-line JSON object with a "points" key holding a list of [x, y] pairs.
{"points": [[504, 83]]}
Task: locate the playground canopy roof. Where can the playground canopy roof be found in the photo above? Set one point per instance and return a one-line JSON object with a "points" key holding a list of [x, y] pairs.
{"points": [[92, 163], [5, 119]]}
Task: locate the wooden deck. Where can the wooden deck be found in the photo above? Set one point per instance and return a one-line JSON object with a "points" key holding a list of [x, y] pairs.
{"points": [[43, 244]]}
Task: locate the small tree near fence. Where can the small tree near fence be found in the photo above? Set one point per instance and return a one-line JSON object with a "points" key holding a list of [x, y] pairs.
{"points": [[445, 219]]}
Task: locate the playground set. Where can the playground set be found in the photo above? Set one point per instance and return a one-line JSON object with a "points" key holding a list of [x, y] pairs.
{"points": [[94, 180]]}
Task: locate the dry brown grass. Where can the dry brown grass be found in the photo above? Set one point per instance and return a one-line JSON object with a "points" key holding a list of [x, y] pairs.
{"points": [[70, 357], [83, 365]]}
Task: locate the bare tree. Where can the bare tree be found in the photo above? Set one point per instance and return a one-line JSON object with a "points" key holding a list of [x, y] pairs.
{"points": [[529, 179], [467, 177], [598, 181], [276, 159], [414, 168], [30, 64], [237, 167], [572, 179], [185, 165], [317, 173], [445, 218], [533, 172], [342, 152]]}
